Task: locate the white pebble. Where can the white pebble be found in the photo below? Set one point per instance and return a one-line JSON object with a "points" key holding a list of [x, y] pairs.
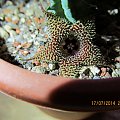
{"points": [[9, 3], [12, 33], [94, 70], [7, 28], [22, 20], [15, 18], [96, 77], [36, 32], [19, 46], [33, 36], [117, 65], [116, 73], [25, 36], [10, 40], [36, 43], [3, 33], [1, 15], [29, 12]]}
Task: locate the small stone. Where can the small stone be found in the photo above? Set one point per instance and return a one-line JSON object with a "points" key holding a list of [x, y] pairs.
{"points": [[117, 59], [107, 75], [41, 20], [1, 15], [15, 21], [29, 12], [8, 3], [16, 44], [96, 77], [11, 49], [116, 73], [25, 36], [28, 22], [14, 18], [24, 52], [106, 72], [45, 29], [31, 28], [103, 71], [21, 15], [22, 20], [12, 33], [26, 45], [30, 40], [16, 11], [18, 31], [10, 39], [38, 69], [37, 63], [19, 38], [6, 11], [83, 76], [3, 33], [33, 36], [113, 12], [44, 64], [12, 25], [42, 43], [46, 36], [7, 28], [41, 48], [54, 72], [19, 46], [37, 20], [10, 10], [36, 32], [95, 70], [36, 43], [37, 10], [117, 65], [15, 51], [8, 19]]}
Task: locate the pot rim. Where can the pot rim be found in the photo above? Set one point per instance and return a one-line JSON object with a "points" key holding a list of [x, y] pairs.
{"points": [[59, 93]]}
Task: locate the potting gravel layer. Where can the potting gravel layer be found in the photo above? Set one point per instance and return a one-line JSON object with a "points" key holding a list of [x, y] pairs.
{"points": [[23, 33]]}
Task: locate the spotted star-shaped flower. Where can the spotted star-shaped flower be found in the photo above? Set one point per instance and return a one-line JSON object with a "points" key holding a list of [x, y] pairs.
{"points": [[70, 45]]}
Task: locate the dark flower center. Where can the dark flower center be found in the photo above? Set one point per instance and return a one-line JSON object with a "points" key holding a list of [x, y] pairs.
{"points": [[70, 45]]}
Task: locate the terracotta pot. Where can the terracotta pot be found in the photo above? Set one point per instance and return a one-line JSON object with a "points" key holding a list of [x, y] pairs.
{"points": [[64, 98]]}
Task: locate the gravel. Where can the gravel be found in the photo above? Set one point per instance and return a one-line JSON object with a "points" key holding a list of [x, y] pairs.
{"points": [[24, 32]]}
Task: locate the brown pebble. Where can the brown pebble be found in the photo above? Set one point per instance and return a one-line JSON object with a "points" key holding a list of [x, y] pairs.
{"points": [[15, 44], [103, 71], [20, 6], [46, 36], [26, 45], [107, 75], [38, 50], [37, 20], [6, 11], [28, 22], [41, 48], [24, 52], [39, 28], [15, 21], [37, 63], [8, 19], [18, 31], [41, 20], [44, 64]]}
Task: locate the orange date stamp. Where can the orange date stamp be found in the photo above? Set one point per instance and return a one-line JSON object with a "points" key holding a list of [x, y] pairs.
{"points": [[104, 103]]}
